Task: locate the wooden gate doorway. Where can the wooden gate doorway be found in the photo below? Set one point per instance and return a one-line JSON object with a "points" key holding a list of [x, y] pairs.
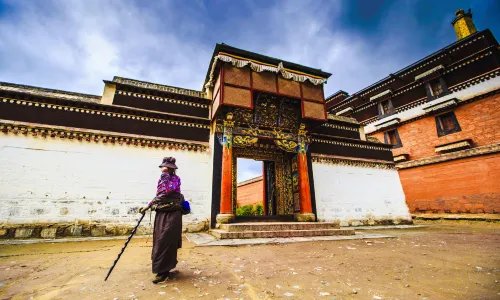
{"points": [[270, 131], [278, 184]]}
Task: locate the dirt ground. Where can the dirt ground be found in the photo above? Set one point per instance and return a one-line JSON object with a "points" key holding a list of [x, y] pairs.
{"points": [[449, 260]]}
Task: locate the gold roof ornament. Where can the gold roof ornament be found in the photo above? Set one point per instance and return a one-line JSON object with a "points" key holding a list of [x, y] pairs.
{"points": [[463, 24]]}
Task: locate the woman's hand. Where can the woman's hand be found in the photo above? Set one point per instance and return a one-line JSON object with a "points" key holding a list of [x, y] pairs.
{"points": [[142, 210]]}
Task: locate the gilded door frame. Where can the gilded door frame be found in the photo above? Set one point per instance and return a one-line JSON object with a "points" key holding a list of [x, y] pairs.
{"points": [[283, 175]]}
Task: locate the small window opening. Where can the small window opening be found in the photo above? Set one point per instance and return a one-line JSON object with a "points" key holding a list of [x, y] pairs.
{"points": [[385, 108], [437, 88], [447, 123], [392, 138]]}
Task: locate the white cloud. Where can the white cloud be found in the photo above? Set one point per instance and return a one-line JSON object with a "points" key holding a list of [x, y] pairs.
{"points": [[248, 169], [73, 45], [310, 33]]}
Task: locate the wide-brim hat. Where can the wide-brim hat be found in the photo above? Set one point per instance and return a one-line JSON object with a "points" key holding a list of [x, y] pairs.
{"points": [[168, 162]]}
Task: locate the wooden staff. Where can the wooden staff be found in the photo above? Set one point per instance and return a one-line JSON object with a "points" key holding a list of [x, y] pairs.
{"points": [[125, 246]]}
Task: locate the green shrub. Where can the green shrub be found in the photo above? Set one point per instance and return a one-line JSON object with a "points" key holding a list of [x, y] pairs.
{"points": [[244, 211], [259, 210], [250, 210]]}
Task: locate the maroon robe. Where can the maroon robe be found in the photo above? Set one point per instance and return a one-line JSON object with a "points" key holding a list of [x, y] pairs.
{"points": [[167, 234]]}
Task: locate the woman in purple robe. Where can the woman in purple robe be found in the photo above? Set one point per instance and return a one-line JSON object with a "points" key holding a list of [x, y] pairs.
{"points": [[167, 233]]}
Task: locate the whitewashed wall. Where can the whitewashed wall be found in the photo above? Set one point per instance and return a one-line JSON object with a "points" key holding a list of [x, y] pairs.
{"points": [[357, 195], [52, 180]]}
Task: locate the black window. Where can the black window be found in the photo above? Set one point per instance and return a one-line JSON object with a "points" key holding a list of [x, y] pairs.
{"points": [[392, 138], [447, 123], [436, 88], [385, 108]]}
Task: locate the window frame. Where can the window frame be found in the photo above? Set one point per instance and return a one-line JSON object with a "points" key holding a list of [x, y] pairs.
{"points": [[439, 124], [399, 144], [430, 93], [381, 113]]}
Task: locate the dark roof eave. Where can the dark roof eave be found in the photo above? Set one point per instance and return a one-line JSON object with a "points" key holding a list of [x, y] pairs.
{"points": [[50, 93], [155, 90], [337, 93], [262, 58], [486, 31]]}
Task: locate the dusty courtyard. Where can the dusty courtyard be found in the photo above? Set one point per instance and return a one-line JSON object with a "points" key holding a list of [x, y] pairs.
{"points": [[443, 261]]}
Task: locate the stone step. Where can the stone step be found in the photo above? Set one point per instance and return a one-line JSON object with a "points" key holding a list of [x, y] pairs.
{"points": [[277, 226], [222, 234]]}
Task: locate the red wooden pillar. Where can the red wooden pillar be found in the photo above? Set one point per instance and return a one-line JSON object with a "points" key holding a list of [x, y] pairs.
{"points": [[226, 214], [226, 194], [304, 187], [306, 213]]}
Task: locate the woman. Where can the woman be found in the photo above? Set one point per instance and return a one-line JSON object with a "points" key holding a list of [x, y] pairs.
{"points": [[167, 233]]}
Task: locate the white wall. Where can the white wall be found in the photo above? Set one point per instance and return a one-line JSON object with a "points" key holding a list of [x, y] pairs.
{"points": [[350, 194], [53, 180]]}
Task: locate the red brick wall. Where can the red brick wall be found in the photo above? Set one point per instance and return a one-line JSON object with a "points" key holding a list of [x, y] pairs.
{"points": [[470, 185], [252, 193], [479, 121]]}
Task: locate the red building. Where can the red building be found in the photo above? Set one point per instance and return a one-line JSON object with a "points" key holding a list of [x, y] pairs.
{"points": [[251, 192], [442, 115]]}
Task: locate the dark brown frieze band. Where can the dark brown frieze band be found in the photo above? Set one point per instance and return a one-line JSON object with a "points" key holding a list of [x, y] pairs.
{"points": [[86, 110], [162, 99], [97, 137]]}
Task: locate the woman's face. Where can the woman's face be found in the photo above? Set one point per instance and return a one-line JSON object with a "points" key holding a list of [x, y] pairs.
{"points": [[169, 170]]}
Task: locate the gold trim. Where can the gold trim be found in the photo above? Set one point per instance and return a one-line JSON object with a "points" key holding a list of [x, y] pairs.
{"points": [[244, 141]]}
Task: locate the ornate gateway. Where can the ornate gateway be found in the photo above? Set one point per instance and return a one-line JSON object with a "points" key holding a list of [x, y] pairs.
{"points": [[271, 132]]}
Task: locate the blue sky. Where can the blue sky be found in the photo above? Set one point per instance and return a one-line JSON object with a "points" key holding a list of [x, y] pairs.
{"points": [[74, 45]]}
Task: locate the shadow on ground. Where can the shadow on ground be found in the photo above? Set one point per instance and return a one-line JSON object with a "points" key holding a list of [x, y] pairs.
{"points": [[448, 260]]}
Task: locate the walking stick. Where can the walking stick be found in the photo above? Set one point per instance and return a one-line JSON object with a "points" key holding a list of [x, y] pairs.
{"points": [[125, 246]]}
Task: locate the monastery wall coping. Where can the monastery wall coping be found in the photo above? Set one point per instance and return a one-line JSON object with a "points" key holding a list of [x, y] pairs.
{"points": [[49, 93]]}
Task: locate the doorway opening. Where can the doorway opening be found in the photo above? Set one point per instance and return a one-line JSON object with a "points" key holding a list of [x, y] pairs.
{"points": [[250, 193]]}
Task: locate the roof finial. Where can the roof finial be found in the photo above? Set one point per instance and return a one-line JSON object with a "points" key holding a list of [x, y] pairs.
{"points": [[463, 24]]}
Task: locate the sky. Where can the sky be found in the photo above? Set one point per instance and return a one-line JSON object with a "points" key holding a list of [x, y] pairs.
{"points": [[74, 45]]}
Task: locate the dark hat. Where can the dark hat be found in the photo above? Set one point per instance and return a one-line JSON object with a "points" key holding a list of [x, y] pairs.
{"points": [[168, 162]]}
